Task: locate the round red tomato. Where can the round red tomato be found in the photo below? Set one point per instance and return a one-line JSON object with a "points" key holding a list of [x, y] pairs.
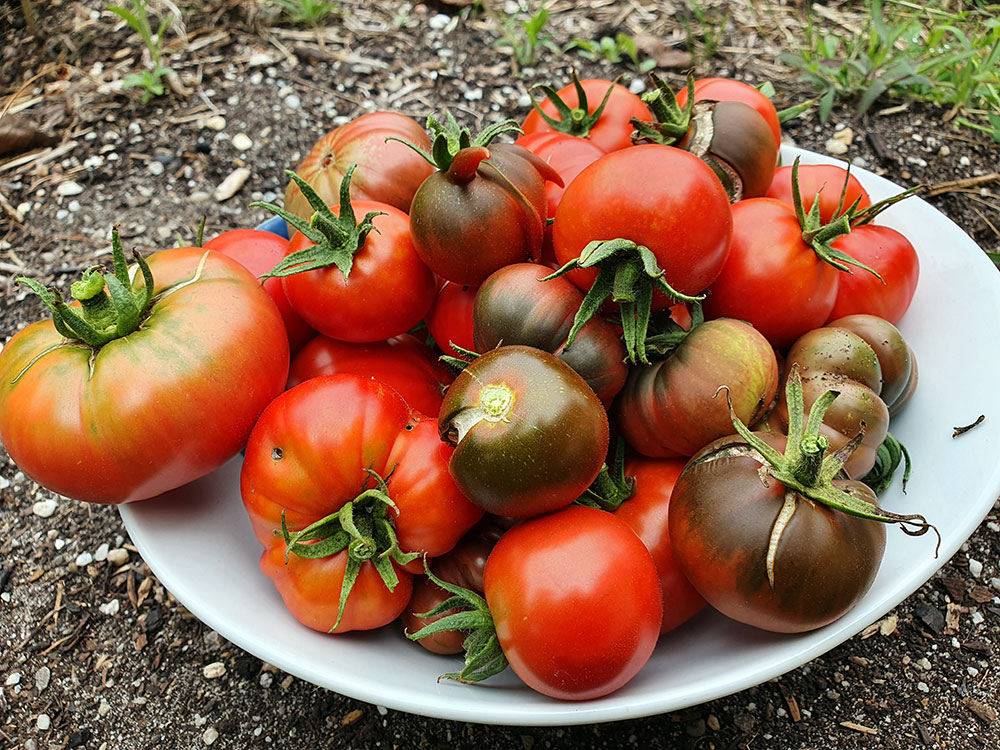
{"points": [[402, 363], [893, 256], [387, 171], [656, 196], [647, 514], [259, 251], [823, 181], [143, 409], [611, 131], [450, 319], [388, 290], [575, 600], [728, 90]]}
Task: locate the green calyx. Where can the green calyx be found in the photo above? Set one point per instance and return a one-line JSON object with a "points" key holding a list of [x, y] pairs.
{"points": [[483, 655], [612, 487], [807, 469], [672, 121], [110, 308], [628, 274], [577, 120], [336, 239], [669, 334], [448, 138], [364, 528]]}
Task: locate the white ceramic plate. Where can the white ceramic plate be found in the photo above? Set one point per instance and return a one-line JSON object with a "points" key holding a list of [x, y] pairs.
{"points": [[198, 540]]}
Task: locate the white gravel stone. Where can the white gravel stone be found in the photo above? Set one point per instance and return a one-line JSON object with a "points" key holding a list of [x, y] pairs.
{"points": [[231, 185], [69, 188], [213, 670], [242, 142], [259, 60], [59, 543], [73, 206], [43, 676], [965, 161], [200, 196], [835, 147], [439, 21], [118, 556], [111, 608], [292, 101], [473, 95], [155, 168], [216, 123], [44, 508], [977, 618], [922, 687], [14, 678], [62, 214], [23, 208], [266, 679], [43, 722], [101, 553], [975, 567], [104, 709], [210, 736], [524, 100], [84, 559], [637, 86]]}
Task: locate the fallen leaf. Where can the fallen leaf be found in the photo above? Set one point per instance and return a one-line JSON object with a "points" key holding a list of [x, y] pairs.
{"points": [[662, 53], [858, 727], [17, 135], [985, 714]]}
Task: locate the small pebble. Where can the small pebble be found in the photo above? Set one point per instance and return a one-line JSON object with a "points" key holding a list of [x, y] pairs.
{"points": [[292, 101], [713, 722], [69, 188], [84, 559], [101, 553], [266, 679], [524, 100], [43, 722], [13, 678], [23, 208], [637, 86], [231, 185], [975, 567], [61, 214], [977, 618], [259, 60], [43, 675], [210, 736], [213, 670], [73, 206], [964, 161], [382, 710], [44, 508], [242, 142], [973, 672], [473, 95], [836, 147], [104, 709], [59, 543], [439, 21], [922, 687], [944, 151], [200, 196], [155, 168], [118, 556], [216, 123], [111, 608]]}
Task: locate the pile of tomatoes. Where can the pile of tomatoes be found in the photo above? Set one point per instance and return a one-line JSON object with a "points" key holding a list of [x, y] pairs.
{"points": [[630, 272]]}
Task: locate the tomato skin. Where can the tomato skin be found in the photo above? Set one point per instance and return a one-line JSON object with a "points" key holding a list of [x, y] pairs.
{"points": [[450, 319], [825, 181], [387, 172], [538, 453], [576, 602], [514, 307], [772, 279], [259, 251], [895, 357], [403, 363], [647, 194], [465, 226], [388, 291], [162, 406], [895, 259], [310, 589], [825, 561], [670, 408], [613, 131], [729, 90], [647, 514]]}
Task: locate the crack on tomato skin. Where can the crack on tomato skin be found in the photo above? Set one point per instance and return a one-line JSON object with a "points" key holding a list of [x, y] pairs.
{"points": [[777, 531], [65, 343]]}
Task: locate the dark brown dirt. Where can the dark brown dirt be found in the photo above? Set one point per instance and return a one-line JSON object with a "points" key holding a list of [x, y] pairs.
{"points": [[78, 672]]}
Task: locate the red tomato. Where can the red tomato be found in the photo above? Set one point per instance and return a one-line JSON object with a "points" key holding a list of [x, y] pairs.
{"points": [[156, 407], [575, 600], [259, 251], [612, 131], [388, 171], [649, 194], [314, 450], [387, 292], [889, 253], [646, 513], [450, 319], [402, 363], [772, 279], [728, 90], [823, 180]]}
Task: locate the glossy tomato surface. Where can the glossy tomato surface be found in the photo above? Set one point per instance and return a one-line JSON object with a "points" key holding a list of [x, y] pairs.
{"points": [[529, 434], [613, 130], [388, 290], [647, 514], [892, 255], [651, 195], [403, 363], [450, 318], [387, 171], [575, 599], [823, 182], [158, 408], [729, 90]]}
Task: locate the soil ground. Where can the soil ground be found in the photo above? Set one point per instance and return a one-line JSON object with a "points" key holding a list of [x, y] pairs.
{"points": [[81, 671]]}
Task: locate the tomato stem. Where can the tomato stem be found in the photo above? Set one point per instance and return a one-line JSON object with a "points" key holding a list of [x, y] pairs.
{"points": [[576, 120]]}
